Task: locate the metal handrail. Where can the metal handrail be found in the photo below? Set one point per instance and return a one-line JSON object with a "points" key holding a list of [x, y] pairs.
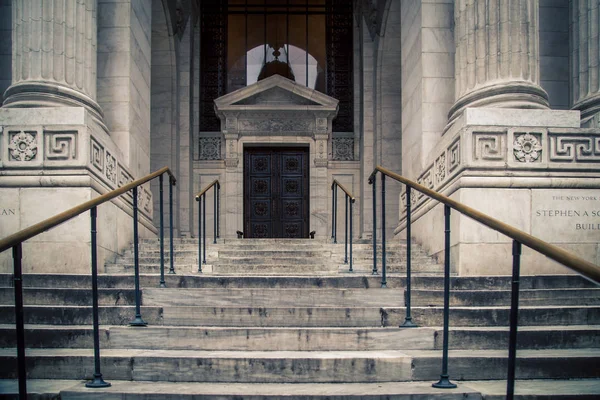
{"points": [[213, 183], [583, 267], [568, 259], [43, 226], [15, 241], [350, 199], [201, 199], [348, 193]]}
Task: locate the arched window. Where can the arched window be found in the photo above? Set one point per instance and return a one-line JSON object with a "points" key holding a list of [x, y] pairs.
{"points": [[243, 41]]}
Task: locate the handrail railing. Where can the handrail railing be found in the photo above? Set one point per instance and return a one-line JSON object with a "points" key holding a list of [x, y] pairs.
{"points": [[350, 199], [201, 199], [579, 265], [15, 241]]}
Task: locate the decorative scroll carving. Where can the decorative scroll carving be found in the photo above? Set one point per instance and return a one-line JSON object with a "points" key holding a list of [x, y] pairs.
{"points": [[210, 148], [97, 155], [124, 176], [147, 202], [343, 149], [275, 125], [111, 168], [527, 148], [321, 125], [489, 146], [440, 168], [60, 145], [23, 145], [574, 148]]}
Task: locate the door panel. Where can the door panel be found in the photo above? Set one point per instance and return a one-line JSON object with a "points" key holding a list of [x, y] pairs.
{"points": [[276, 192]]}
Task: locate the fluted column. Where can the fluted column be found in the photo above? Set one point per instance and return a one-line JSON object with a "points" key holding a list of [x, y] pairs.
{"points": [[585, 57], [497, 55], [54, 55]]}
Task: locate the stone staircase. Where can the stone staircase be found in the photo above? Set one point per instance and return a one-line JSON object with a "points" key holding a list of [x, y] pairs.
{"points": [[284, 319]]}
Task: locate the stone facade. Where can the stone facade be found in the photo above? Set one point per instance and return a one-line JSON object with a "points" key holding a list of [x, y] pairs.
{"points": [[494, 103]]}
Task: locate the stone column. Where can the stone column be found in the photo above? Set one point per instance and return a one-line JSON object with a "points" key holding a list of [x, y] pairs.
{"points": [[497, 55], [54, 55], [585, 60]]}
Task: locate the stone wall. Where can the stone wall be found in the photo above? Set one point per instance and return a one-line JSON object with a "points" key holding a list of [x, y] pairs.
{"points": [[124, 57]]}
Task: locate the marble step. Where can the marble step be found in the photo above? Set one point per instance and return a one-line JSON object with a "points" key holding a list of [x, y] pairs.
{"points": [[69, 296], [530, 389], [122, 390], [80, 315], [261, 297], [335, 280], [300, 366], [301, 339], [374, 316], [529, 297]]}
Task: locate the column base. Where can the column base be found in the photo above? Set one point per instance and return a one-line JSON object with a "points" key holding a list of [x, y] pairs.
{"points": [[524, 95], [49, 94]]}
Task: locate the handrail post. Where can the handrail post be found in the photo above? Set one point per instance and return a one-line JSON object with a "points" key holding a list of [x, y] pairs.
{"points": [[350, 212], [383, 260], [218, 210], [199, 200], [204, 229], [335, 214], [332, 212], [137, 321], [408, 323], [97, 382], [374, 225], [444, 382], [514, 319], [346, 233], [215, 215], [19, 320], [162, 235], [171, 252]]}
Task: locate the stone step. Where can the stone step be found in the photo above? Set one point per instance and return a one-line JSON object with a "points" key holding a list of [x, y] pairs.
{"points": [[80, 315], [301, 339], [122, 390], [273, 269], [281, 260], [150, 268], [530, 389], [69, 296], [300, 366], [374, 316], [181, 279], [528, 297], [260, 297]]}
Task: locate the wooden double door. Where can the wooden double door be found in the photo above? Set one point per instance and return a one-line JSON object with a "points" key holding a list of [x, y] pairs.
{"points": [[276, 195]]}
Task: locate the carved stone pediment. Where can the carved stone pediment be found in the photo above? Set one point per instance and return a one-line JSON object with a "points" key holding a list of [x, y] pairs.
{"points": [[276, 105]]}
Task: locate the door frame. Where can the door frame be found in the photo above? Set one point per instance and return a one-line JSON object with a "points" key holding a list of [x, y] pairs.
{"points": [[305, 147]]}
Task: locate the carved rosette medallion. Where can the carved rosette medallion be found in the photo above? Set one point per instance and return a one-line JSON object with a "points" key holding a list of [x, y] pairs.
{"points": [[210, 148], [527, 148], [23, 146], [343, 149]]}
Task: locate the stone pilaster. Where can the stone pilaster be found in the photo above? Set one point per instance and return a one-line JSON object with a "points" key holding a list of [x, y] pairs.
{"points": [[54, 55], [497, 55], [585, 60]]}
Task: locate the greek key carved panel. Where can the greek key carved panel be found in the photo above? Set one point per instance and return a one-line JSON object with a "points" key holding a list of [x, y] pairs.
{"points": [[489, 146], [60, 145], [574, 148]]}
